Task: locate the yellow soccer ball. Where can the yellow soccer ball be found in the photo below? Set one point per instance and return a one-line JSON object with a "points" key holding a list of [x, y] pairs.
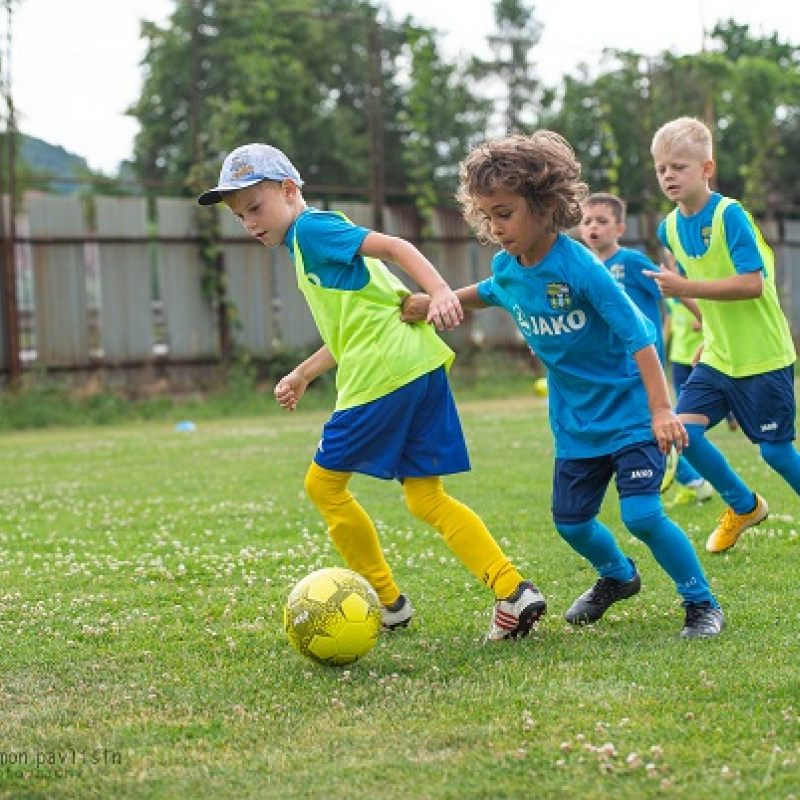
{"points": [[332, 617]]}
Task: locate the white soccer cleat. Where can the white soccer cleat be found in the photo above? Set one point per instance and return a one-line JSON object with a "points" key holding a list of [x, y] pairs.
{"points": [[515, 615], [398, 614]]}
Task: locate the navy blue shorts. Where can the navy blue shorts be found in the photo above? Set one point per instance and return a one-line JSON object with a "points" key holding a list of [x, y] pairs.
{"points": [[764, 405], [680, 374], [579, 484], [413, 432]]}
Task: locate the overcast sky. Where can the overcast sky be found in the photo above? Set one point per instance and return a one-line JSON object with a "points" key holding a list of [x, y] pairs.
{"points": [[75, 64]]}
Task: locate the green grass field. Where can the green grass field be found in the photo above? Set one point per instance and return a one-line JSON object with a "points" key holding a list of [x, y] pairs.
{"points": [[142, 577]]}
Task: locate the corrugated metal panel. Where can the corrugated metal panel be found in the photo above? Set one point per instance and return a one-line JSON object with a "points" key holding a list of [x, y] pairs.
{"points": [[60, 280], [359, 213], [126, 280], [189, 318], [295, 325], [247, 266], [261, 282], [787, 277], [3, 323], [402, 221], [791, 231], [272, 312], [448, 223], [787, 256]]}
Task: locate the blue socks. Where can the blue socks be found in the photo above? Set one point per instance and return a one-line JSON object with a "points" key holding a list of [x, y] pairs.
{"points": [[785, 460], [644, 517], [595, 542], [686, 474], [710, 463]]}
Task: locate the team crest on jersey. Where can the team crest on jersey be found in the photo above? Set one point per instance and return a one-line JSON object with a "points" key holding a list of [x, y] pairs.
{"points": [[559, 296]]}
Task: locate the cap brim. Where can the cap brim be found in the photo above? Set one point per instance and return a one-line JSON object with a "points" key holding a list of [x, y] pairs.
{"points": [[210, 198], [217, 194]]}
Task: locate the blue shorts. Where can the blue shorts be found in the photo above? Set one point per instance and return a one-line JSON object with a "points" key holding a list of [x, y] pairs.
{"points": [[680, 374], [579, 484], [412, 432], [764, 405]]}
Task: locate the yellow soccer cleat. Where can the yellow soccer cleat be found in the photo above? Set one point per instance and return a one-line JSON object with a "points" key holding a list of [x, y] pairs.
{"points": [[670, 470], [692, 495], [730, 526]]}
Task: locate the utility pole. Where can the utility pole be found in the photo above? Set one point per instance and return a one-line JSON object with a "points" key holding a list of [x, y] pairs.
{"points": [[374, 102], [8, 283], [377, 179], [708, 100]]}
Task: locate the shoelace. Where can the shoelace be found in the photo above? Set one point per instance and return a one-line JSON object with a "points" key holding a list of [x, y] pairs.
{"points": [[695, 611], [605, 589], [727, 518]]}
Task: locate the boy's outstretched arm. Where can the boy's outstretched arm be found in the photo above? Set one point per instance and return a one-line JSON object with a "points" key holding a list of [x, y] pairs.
{"points": [[742, 286], [444, 309], [667, 428], [290, 388], [415, 306]]}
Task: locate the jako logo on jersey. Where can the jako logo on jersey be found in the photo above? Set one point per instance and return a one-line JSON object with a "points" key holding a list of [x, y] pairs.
{"points": [[641, 473], [559, 296], [770, 426], [549, 326]]}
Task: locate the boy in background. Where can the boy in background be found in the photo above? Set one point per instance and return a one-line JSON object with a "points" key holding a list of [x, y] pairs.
{"points": [[747, 363], [683, 339], [601, 227]]}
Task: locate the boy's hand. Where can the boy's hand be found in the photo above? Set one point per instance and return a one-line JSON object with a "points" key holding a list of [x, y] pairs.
{"points": [[289, 390], [669, 431], [415, 307], [670, 284], [445, 310]]}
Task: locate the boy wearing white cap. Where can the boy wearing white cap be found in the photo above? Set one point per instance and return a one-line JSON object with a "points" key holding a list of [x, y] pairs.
{"points": [[395, 416]]}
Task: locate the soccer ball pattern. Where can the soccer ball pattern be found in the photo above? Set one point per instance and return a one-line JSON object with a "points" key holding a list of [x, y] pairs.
{"points": [[332, 616]]}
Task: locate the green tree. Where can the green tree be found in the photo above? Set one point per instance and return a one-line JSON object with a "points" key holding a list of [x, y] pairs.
{"points": [[310, 77], [745, 88], [227, 71], [512, 45], [441, 120], [757, 119]]}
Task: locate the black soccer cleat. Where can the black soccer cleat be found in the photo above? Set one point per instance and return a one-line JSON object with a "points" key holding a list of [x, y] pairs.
{"points": [[702, 620], [591, 605]]}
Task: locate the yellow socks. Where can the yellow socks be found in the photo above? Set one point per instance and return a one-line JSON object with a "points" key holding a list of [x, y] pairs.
{"points": [[351, 529], [357, 541], [464, 532]]}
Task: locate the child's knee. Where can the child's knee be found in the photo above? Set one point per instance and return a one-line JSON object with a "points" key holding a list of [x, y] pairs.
{"points": [[695, 431], [423, 496], [642, 514], [779, 455], [576, 533], [322, 484]]}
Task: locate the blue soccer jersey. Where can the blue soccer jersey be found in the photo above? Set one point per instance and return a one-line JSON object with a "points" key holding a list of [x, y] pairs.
{"points": [[626, 265], [584, 328], [330, 244]]}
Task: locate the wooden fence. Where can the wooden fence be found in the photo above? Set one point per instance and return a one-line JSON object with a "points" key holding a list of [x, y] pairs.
{"points": [[123, 298]]}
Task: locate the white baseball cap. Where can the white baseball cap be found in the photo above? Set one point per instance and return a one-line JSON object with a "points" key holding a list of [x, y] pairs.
{"points": [[249, 164]]}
